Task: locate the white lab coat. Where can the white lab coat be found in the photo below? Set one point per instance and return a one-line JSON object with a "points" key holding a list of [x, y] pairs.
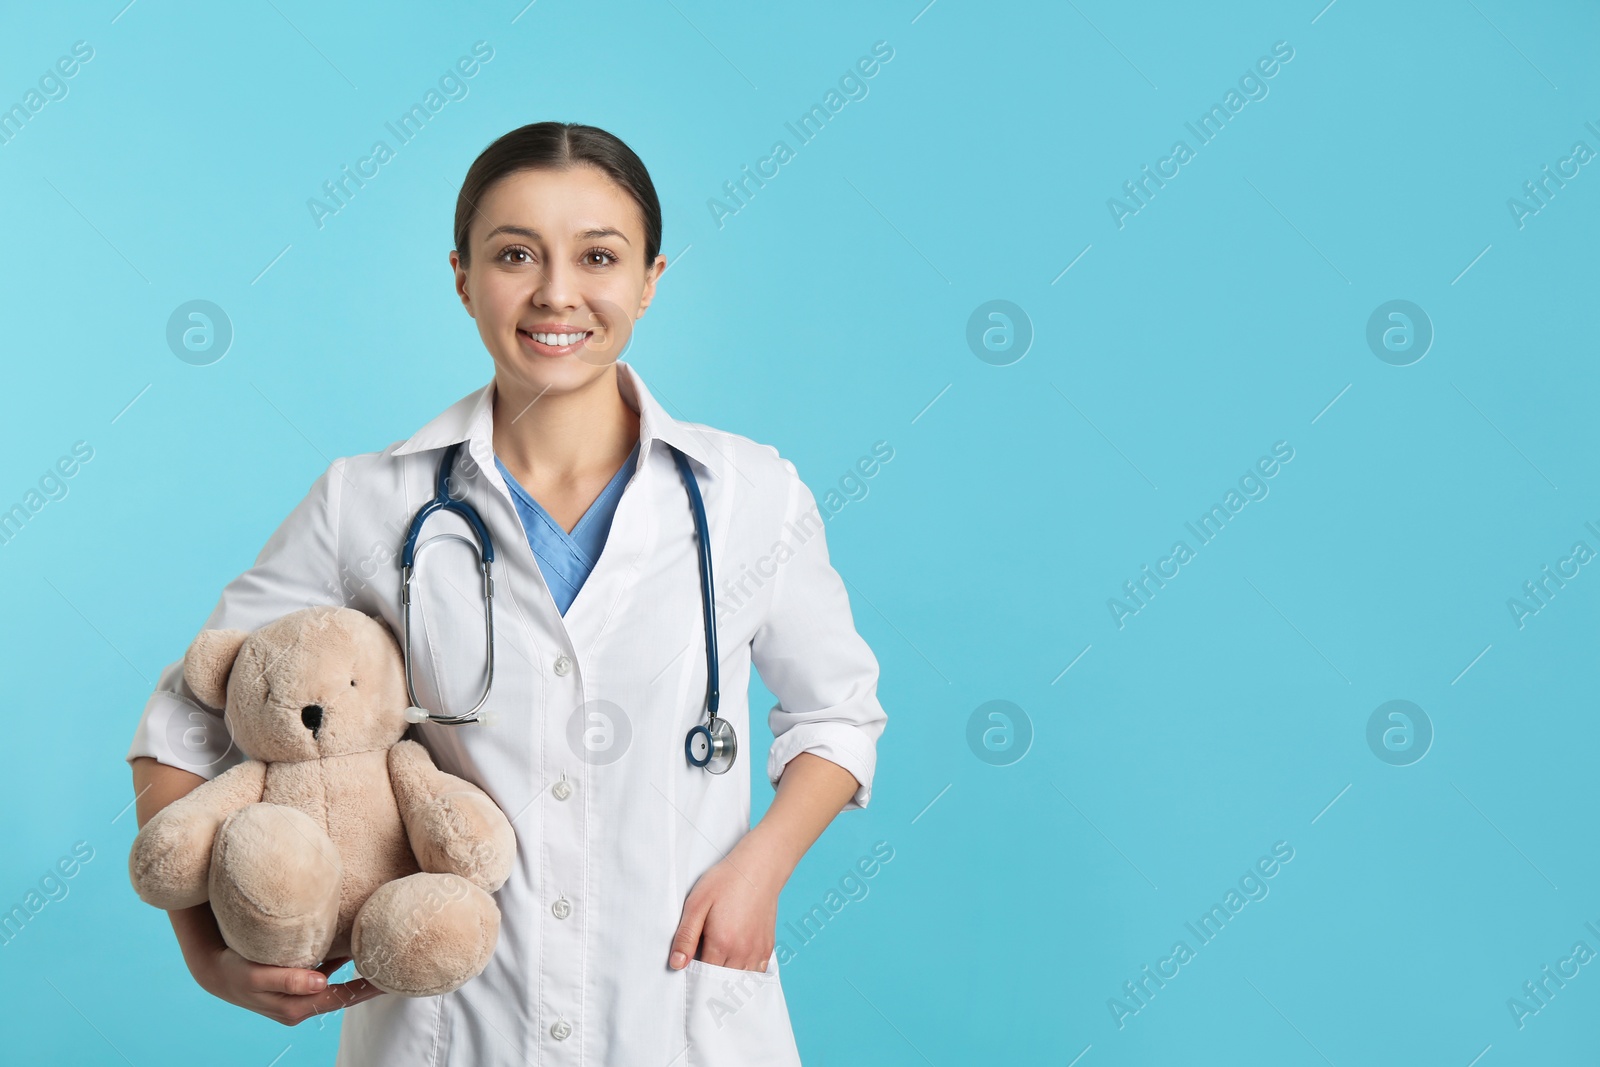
{"points": [[601, 698]]}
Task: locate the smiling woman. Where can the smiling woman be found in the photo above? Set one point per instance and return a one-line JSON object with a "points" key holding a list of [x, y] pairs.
{"points": [[558, 235], [641, 891]]}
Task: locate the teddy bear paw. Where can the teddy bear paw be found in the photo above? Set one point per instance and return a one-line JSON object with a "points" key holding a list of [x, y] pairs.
{"points": [[467, 834], [170, 858], [424, 934]]}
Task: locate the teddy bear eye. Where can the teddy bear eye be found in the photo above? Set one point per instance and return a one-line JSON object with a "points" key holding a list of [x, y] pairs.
{"points": [[352, 681]]}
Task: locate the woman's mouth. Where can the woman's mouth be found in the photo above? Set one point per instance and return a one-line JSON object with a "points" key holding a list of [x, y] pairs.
{"points": [[554, 344]]}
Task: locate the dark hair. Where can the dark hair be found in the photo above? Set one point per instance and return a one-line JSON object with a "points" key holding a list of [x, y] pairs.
{"points": [[559, 146]]}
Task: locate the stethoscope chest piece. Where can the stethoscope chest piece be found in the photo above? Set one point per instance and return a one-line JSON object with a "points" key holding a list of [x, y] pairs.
{"points": [[712, 745]]}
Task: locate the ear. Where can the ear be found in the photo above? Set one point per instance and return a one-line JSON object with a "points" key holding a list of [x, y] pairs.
{"points": [[208, 663]]}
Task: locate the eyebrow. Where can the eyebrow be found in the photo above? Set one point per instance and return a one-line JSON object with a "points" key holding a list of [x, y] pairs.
{"points": [[534, 235]]}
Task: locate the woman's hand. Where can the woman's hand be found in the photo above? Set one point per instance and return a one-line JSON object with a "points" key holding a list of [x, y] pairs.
{"points": [[289, 995], [731, 915]]}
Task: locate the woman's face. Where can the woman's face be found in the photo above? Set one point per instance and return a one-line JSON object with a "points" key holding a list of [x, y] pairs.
{"points": [[555, 252]]}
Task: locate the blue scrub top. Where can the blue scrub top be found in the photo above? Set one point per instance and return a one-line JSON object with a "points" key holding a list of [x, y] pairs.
{"points": [[566, 559]]}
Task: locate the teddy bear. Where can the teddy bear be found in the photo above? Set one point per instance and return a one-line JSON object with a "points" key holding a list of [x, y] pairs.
{"points": [[336, 837]]}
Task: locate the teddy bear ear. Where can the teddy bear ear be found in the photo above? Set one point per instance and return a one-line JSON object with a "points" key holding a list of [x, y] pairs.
{"points": [[208, 663]]}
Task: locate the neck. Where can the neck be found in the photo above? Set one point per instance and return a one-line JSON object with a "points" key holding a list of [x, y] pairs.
{"points": [[566, 436]]}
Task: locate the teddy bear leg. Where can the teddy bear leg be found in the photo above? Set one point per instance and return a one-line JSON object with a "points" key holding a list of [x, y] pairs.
{"points": [[275, 880], [425, 934]]}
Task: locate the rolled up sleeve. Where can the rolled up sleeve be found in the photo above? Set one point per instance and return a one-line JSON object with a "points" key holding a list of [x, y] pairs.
{"points": [[810, 656], [297, 567]]}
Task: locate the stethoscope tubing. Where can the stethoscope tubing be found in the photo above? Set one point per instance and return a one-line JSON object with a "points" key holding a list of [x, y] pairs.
{"points": [[720, 740], [708, 605]]}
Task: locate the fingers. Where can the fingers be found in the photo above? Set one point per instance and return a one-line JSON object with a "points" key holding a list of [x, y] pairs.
{"points": [[303, 981], [293, 1010], [295, 980], [687, 937], [347, 994], [738, 959], [329, 966]]}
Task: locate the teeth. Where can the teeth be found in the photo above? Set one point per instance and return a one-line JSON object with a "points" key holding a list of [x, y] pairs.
{"points": [[559, 340]]}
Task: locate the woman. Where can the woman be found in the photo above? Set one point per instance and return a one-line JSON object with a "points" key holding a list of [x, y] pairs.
{"points": [[638, 925]]}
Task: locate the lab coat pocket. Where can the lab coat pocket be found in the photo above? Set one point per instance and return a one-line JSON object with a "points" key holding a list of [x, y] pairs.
{"points": [[738, 1018]]}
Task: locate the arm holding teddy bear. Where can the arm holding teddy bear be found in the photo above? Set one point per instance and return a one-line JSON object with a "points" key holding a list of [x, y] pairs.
{"points": [[288, 995], [289, 571]]}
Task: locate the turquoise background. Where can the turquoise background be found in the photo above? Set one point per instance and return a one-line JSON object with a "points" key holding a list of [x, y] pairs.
{"points": [[832, 312]]}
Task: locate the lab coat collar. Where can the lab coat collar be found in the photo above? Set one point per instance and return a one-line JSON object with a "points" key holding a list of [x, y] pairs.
{"points": [[472, 419]]}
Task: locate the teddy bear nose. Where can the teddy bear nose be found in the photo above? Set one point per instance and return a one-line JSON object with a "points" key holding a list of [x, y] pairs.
{"points": [[311, 715]]}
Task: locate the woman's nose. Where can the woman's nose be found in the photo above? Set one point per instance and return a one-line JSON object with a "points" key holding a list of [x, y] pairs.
{"points": [[555, 289], [311, 715]]}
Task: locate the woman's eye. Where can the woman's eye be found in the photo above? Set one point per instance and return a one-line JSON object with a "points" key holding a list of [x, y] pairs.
{"points": [[606, 257], [515, 252]]}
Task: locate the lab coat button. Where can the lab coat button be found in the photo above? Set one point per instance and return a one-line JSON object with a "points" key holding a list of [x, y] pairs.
{"points": [[561, 789], [561, 908], [563, 665], [559, 1030]]}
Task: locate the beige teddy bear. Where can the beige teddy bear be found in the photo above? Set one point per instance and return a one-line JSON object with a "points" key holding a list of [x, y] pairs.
{"points": [[336, 837]]}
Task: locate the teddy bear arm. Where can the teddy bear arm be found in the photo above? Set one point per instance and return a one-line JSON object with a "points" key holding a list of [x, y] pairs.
{"points": [[170, 862], [417, 780], [454, 826]]}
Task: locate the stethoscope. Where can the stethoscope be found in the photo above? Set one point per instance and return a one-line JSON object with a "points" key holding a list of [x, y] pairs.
{"points": [[712, 744]]}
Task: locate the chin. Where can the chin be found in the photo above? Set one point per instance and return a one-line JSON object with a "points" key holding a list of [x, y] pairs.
{"points": [[541, 373]]}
